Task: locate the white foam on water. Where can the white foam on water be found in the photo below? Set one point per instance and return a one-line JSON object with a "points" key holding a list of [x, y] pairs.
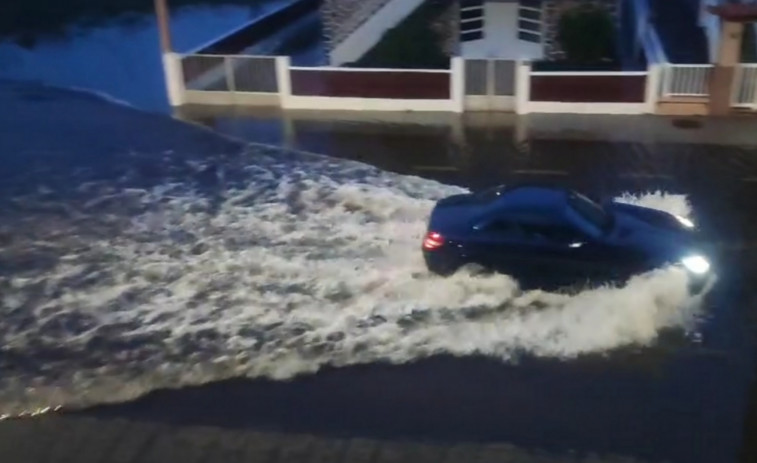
{"points": [[306, 262]]}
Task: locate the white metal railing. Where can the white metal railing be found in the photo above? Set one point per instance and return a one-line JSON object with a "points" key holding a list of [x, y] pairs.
{"points": [[221, 72], [686, 80], [745, 86]]}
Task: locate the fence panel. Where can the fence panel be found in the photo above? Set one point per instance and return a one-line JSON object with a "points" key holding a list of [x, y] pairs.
{"points": [[476, 77], [686, 80], [363, 83], [205, 72], [589, 87], [254, 74], [504, 77], [745, 91]]}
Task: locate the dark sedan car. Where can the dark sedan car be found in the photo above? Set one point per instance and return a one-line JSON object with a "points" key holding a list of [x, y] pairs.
{"points": [[550, 236]]}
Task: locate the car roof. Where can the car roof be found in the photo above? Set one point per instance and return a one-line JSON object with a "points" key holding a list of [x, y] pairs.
{"points": [[533, 196], [531, 200]]}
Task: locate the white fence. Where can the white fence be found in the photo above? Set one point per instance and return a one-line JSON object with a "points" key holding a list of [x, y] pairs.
{"points": [[473, 85], [682, 80], [745, 90]]}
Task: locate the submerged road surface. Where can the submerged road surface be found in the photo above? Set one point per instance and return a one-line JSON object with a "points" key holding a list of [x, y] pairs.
{"points": [[140, 254]]}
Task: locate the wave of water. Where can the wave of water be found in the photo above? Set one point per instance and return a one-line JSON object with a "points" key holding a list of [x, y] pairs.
{"points": [[285, 263]]}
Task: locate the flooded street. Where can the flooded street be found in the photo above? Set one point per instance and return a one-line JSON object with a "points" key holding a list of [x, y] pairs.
{"points": [[155, 272], [680, 399], [254, 288]]}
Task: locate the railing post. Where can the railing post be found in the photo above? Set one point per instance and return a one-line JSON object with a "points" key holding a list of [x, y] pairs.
{"points": [[283, 80], [457, 84], [738, 81], [653, 87], [667, 72], [490, 76], [522, 87], [174, 77], [228, 68]]}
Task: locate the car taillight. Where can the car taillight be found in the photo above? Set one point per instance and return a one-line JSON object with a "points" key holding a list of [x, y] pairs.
{"points": [[433, 241]]}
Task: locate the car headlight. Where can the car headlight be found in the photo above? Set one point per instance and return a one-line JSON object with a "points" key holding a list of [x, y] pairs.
{"points": [[684, 221], [696, 264]]}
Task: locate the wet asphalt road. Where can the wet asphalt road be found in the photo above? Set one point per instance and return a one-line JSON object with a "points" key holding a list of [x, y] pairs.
{"points": [[684, 400]]}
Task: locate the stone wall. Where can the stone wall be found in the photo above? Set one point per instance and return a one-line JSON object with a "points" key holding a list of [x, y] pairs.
{"points": [[342, 17], [553, 10]]}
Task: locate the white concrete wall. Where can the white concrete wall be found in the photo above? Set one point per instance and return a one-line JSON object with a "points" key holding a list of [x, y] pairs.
{"points": [[501, 36], [480, 103], [203, 98], [369, 33], [174, 78], [586, 108], [366, 104]]}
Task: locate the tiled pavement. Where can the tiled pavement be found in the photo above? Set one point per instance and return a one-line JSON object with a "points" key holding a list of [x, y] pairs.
{"points": [[52, 439]]}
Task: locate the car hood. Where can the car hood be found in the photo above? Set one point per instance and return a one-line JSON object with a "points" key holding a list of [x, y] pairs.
{"points": [[651, 231]]}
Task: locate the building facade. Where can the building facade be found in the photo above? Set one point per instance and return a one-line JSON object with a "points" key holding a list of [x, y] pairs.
{"points": [[517, 29]]}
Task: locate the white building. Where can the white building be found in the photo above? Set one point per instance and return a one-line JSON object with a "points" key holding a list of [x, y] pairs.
{"points": [[516, 29], [506, 29]]}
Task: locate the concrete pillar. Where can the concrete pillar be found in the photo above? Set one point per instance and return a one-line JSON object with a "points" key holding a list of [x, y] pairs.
{"points": [[174, 77], [457, 84], [654, 74], [283, 80], [522, 87], [722, 77]]}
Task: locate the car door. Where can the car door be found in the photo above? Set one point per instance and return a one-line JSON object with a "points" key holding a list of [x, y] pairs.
{"points": [[557, 252], [610, 262], [499, 246]]}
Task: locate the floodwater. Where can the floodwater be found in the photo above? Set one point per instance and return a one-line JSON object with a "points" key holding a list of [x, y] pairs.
{"points": [[141, 254], [122, 58]]}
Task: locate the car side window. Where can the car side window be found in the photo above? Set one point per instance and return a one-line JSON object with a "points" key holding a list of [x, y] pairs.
{"points": [[504, 228], [553, 233]]}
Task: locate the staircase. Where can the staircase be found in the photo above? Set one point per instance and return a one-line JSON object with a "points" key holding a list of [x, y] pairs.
{"points": [[676, 22]]}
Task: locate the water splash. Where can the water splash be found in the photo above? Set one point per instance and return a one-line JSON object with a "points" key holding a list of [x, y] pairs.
{"points": [[282, 263]]}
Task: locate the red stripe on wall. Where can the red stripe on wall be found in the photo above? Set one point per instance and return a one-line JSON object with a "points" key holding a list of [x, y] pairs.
{"points": [[362, 84], [589, 89]]}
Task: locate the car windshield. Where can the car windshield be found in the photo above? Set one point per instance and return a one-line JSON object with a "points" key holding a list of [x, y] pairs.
{"points": [[490, 194], [590, 211]]}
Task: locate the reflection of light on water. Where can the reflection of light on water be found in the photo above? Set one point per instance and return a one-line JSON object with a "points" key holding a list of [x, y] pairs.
{"points": [[301, 262]]}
